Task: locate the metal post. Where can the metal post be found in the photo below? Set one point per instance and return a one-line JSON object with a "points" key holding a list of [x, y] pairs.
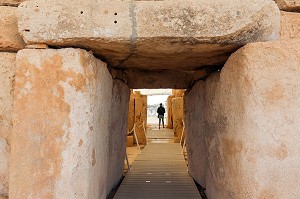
{"points": [[127, 161], [136, 139]]}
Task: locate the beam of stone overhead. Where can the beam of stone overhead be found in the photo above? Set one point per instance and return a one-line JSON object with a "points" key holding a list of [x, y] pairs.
{"points": [[154, 79], [151, 34]]}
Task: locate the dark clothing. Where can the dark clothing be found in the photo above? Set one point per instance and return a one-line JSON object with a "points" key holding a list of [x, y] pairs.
{"points": [[161, 110]]}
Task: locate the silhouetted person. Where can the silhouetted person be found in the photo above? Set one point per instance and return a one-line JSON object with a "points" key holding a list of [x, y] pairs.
{"points": [[161, 111]]}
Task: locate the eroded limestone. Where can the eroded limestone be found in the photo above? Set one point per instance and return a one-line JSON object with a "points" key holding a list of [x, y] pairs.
{"points": [[290, 25], [61, 125], [250, 124], [288, 5], [152, 34], [177, 115], [10, 40], [4, 155], [118, 132]]}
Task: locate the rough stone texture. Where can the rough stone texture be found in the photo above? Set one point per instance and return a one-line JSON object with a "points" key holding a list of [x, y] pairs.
{"points": [[61, 125], [7, 73], [251, 124], [194, 107], [129, 142], [118, 132], [290, 25], [150, 35], [4, 155], [10, 2], [140, 115], [288, 5], [131, 112], [178, 92], [170, 114], [10, 40], [177, 112]]}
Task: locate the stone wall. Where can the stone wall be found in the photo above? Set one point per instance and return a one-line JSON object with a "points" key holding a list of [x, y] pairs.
{"points": [[10, 42], [170, 114], [7, 73], [138, 114], [61, 126], [248, 136], [118, 132]]}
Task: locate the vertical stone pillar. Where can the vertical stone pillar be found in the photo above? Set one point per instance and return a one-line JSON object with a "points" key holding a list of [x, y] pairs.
{"points": [[7, 73], [177, 113], [140, 102], [62, 108], [131, 112], [170, 114], [118, 132]]}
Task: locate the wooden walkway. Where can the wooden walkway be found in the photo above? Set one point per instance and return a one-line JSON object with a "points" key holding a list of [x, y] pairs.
{"points": [[158, 172]]}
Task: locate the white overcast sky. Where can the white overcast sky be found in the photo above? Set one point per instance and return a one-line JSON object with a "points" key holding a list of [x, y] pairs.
{"points": [[156, 96]]}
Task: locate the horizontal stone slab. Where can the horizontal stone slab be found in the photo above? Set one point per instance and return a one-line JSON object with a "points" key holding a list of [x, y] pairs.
{"points": [[154, 79], [10, 2], [288, 5], [151, 34], [10, 40]]}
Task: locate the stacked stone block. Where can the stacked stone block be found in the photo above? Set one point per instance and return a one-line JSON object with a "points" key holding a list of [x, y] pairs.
{"points": [[10, 43]]}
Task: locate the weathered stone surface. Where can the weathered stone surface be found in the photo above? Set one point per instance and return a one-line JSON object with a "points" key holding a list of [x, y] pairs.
{"points": [[150, 35], [10, 40], [177, 113], [131, 112], [154, 79], [4, 155], [194, 107], [170, 114], [288, 5], [140, 115], [251, 124], [61, 125], [118, 132], [129, 141], [10, 2], [7, 73], [290, 25]]}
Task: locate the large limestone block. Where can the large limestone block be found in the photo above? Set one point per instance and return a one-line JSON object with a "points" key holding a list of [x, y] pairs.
{"points": [[140, 115], [10, 40], [177, 113], [61, 125], [148, 34], [118, 132], [252, 124], [4, 155], [7, 74], [194, 107], [131, 113], [288, 5], [290, 25]]}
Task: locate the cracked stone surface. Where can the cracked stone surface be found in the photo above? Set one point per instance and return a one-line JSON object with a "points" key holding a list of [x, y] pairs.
{"points": [[152, 34]]}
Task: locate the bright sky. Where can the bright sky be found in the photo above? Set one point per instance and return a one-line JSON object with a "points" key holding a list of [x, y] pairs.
{"points": [[156, 96]]}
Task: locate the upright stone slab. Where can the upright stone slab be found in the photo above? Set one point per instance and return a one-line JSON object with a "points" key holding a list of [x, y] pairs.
{"points": [[251, 124], [177, 113], [118, 132], [61, 125], [131, 112], [4, 155], [170, 114], [290, 25], [140, 117], [194, 107], [10, 40], [7, 73]]}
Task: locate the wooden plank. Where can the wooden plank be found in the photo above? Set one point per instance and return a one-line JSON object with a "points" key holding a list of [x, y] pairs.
{"points": [[158, 172]]}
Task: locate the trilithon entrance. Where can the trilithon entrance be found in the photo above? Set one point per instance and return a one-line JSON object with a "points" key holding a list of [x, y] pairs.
{"points": [[67, 70]]}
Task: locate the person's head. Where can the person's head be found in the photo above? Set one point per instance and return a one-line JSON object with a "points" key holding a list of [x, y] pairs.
{"points": [[160, 104]]}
